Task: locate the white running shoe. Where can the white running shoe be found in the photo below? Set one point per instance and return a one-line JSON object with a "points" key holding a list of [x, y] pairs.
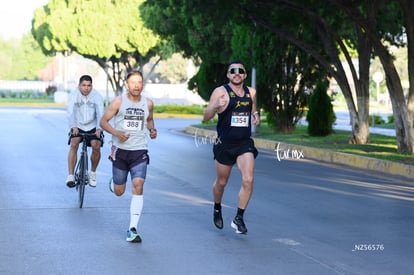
{"points": [[70, 181], [133, 236], [92, 179]]}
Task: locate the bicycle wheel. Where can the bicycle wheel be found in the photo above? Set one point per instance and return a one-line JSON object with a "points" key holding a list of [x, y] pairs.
{"points": [[83, 168]]}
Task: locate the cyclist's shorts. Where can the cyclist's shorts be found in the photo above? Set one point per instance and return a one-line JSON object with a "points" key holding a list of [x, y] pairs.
{"points": [[126, 161], [226, 152], [101, 138]]}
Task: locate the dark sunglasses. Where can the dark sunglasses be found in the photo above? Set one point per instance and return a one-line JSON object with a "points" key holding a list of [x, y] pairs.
{"points": [[237, 71]]}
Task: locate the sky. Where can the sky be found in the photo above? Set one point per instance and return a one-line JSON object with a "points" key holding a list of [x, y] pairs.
{"points": [[16, 16]]}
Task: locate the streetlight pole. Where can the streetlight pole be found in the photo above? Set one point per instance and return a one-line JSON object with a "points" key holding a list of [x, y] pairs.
{"points": [[253, 83], [378, 77]]}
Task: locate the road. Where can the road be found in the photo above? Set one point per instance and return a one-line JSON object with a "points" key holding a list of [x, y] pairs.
{"points": [[305, 217]]}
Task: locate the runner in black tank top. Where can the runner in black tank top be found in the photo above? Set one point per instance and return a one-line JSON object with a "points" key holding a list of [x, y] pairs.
{"points": [[235, 105], [235, 121]]}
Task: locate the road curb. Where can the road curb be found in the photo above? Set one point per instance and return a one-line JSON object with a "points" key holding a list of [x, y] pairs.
{"points": [[34, 104], [360, 162]]}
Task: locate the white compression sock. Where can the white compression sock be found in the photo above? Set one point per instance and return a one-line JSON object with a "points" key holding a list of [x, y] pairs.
{"points": [[135, 209]]}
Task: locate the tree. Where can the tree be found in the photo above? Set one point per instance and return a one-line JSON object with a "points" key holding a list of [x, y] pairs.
{"points": [[396, 27], [374, 25], [325, 38], [351, 33], [286, 74], [7, 55], [111, 33], [189, 25], [231, 35], [21, 59]]}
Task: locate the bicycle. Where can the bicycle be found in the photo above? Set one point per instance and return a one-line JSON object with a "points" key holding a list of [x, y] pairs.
{"points": [[81, 170]]}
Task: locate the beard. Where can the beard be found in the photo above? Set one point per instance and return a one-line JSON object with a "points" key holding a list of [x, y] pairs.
{"points": [[237, 81]]}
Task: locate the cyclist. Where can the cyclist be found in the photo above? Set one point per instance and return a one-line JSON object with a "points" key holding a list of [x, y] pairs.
{"points": [[85, 108]]}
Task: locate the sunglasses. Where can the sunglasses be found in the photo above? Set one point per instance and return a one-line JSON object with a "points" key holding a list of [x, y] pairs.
{"points": [[237, 71]]}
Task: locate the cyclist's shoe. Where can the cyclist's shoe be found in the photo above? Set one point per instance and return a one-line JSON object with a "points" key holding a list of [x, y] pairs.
{"points": [[218, 219], [70, 181], [92, 179], [132, 236], [111, 185], [239, 225]]}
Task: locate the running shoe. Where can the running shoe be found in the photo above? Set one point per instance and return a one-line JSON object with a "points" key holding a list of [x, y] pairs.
{"points": [[239, 225], [70, 181], [92, 179], [132, 236], [111, 185], [218, 219]]}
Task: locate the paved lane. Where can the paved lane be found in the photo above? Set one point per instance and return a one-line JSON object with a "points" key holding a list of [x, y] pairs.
{"points": [[305, 217]]}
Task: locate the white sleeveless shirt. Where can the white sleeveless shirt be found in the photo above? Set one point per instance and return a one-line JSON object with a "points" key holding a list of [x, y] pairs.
{"points": [[132, 119]]}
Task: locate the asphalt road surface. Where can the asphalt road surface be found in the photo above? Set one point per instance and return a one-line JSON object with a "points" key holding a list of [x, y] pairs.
{"points": [[305, 217]]}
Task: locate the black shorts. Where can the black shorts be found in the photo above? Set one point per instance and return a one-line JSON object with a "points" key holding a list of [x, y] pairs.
{"points": [[226, 152], [101, 138], [126, 160]]}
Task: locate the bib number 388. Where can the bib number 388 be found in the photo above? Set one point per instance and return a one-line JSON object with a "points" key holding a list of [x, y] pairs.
{"points": [[133, 123]]}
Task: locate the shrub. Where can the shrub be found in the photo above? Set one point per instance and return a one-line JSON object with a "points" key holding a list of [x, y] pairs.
{"points": [[50, 90], [179, 109], [377, 119], [321, 115], [391, 119]]}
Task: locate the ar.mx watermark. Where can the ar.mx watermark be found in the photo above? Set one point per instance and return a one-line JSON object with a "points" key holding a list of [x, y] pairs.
{"points": [[204, 140], [287, 153]]}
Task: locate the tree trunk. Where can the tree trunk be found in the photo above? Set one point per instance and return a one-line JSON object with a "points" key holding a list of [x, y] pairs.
{"points": [[408, 9], [403, 120], [360, 129]]}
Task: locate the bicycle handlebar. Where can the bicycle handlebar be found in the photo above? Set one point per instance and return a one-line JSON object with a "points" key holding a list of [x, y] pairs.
{"points": [[84, 136]]}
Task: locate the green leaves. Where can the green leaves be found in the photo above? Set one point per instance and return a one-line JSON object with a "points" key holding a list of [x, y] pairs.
{"points": [[100, 28], [21, 59], [109, 32]]}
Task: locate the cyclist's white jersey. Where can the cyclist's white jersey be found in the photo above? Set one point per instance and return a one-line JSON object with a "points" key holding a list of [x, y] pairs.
{"points": [[85, 112], [132, 119]]}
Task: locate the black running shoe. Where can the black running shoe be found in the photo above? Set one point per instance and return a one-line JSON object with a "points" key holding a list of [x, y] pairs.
{"points": [[218, 219], [239, 225]]}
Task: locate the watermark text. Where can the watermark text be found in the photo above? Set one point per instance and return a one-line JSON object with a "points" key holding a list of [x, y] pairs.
{"points": [[288, 153], [205, 140], [368, 247]]}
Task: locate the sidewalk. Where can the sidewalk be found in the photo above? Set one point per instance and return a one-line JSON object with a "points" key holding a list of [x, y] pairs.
{"points": [[372, 130], [343, 123]]}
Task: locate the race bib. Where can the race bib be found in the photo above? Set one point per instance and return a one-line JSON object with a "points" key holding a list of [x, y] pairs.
{"points": [[240, 119], [134, 119]]}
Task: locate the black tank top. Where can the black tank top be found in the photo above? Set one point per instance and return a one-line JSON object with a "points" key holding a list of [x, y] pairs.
{"points": [[234, 123]]}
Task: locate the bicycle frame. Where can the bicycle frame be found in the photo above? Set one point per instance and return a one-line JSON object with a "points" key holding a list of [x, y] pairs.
{"points": [[81, 171]]}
